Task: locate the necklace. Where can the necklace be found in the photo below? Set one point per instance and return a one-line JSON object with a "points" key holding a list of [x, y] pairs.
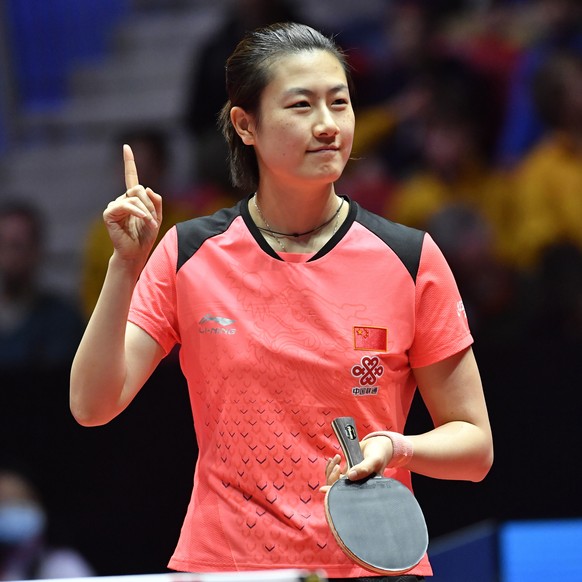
{"points": [[276, 234]]}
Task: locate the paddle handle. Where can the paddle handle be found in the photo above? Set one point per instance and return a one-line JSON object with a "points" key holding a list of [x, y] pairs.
{"points": [[344, 428]]}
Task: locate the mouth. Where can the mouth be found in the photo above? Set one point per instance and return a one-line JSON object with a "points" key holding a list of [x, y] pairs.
{"points": [[324, 149]]}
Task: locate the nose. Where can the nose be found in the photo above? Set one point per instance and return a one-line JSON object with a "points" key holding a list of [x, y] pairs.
{"points": [[326, 125]]}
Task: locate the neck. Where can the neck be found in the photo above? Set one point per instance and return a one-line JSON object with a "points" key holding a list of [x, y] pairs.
{"points": [[305, 236], [296, 210]]}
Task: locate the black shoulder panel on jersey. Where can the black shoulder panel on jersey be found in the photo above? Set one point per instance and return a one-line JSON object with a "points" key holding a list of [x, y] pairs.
{"points": [[193, 233], [406, 242]]}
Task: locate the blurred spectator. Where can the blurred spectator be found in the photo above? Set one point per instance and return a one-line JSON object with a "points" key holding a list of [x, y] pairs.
{"points": [[558, 26], [376, 122], [491, 289], [391, 57], [390, 52], [368, 181], [206, 93], [489, 39], [548, 182], [38, 327], [456, 159], [25, 553], [151, 148], [368, 178]]}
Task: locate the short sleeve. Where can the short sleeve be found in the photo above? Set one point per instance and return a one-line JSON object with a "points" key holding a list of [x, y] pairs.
{"points": [[153, 305], [441, 326]]}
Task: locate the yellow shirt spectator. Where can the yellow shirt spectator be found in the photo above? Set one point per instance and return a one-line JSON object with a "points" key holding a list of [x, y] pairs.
{"points": [[548, 194]]}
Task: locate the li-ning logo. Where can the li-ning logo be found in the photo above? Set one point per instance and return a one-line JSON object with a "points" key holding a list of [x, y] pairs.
{"points": [[223, 322], [367, 371], [220, 320]]}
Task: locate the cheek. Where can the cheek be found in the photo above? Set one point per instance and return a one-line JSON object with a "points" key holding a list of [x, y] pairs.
{"points": [[347, 126], [279, 143], [288, 139]]}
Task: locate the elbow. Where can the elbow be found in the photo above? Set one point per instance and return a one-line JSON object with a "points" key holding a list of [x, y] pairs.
{"points": [[482, 471], [90, 409], [87, 416], [483, 465]]}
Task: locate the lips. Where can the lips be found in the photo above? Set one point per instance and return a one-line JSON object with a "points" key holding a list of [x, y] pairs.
{"points": [[323, 149]]}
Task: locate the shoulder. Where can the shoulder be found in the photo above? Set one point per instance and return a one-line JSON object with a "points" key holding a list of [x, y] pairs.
{"points": [[547, 153], [192, 234], [211, 224], [405, 242]]}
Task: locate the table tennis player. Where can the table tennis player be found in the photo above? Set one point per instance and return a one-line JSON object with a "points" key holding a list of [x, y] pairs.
{"points": [[293, 307]]}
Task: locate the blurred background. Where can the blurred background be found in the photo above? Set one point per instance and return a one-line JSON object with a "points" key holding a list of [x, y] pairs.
{"points": [[469, 125]]}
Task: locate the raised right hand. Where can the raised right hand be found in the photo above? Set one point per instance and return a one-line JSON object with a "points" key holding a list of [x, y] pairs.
{"points": [[133, 219]]}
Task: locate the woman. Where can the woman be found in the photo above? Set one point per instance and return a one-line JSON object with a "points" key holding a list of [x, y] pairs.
{"points": [[291, 308]]}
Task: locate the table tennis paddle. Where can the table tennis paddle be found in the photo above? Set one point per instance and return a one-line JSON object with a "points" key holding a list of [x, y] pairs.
{"points": [[377, 521]]}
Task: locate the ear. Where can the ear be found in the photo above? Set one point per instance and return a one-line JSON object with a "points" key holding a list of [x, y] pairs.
{"points": [[243, 125]]}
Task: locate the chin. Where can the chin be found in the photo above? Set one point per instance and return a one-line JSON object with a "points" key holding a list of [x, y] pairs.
{"points": [[329, 174]]}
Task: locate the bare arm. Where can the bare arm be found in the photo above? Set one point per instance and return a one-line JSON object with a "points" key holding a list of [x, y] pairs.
{"points": [[459, 447], [114, 358]]}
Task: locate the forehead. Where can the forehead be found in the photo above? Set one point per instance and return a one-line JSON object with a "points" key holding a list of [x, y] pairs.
{"points": [[306, 69]]}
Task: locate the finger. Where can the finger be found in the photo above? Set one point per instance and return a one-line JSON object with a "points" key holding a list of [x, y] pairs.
{"points": [[124, 206], [121, 208], [331, 464], [334, 475], [142, 200], [131, 178], [332, 461], [146, 198], [360, 471], [154, 205]]}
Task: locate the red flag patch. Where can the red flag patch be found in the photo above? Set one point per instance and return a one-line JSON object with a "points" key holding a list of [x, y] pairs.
{"points": [[371, 338]]}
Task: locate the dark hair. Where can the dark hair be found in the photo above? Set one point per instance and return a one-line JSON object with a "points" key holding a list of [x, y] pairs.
{"points": [[248, 72], [550, 86], [155, 138], [30, 213]]}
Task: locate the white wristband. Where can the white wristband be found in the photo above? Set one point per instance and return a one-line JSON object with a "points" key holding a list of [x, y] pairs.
{"points": [[402, 449]]}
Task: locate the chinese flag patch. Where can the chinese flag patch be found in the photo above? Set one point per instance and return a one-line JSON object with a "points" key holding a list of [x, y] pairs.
{"points": [[371, 338]]}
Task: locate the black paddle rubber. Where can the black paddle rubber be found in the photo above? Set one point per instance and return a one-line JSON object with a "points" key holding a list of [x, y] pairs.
{"points": [[377, 521]]}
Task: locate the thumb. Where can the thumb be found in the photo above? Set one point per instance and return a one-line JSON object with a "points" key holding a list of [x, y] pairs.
{"points": [[360, 471]]}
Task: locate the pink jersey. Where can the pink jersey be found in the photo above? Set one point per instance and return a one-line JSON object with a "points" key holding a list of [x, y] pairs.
{"points": [[272, 351]]}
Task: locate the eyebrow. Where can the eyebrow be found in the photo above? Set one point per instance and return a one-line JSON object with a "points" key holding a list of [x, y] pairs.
{"points": [[303, 91]]}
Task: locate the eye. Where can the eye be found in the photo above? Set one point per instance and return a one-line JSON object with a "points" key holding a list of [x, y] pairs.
{"points": [[299, 105], [341, 101]]}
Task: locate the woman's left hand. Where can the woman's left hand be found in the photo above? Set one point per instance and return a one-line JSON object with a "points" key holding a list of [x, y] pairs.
{"points": [[377, 453]]}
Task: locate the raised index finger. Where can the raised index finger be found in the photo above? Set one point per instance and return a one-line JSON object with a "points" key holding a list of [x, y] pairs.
{"points": [[131, 178]]}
